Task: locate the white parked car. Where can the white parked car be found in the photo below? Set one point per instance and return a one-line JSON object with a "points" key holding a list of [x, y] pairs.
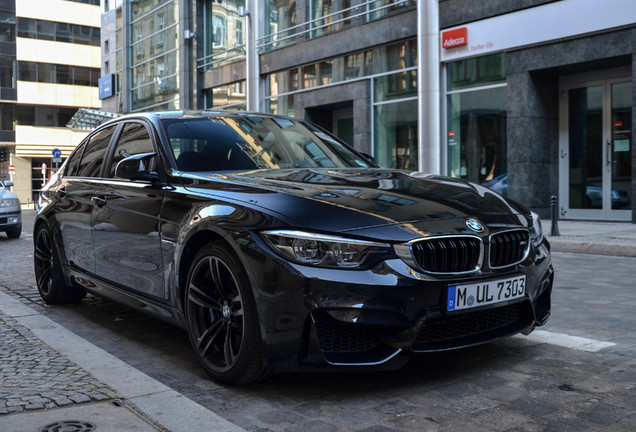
{"points": [[10, 212]]}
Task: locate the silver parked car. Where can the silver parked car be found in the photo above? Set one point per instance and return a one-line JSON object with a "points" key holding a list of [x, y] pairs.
{"points": [[10, 212]]}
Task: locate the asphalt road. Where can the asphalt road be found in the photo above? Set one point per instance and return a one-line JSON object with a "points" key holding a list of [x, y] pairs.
{"points": [[577, 373]]}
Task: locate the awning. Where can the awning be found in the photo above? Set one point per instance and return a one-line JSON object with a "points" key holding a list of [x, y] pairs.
{"points": [[89, 119]]}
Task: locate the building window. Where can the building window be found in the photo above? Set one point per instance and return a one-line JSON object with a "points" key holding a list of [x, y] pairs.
{"points": [[476, 119], [231, 96], [223, 38], [59, 32], [280, 20], [43, 116], [58, 74], [7, 26], [218, 31], [329, 15], [395, 120], [7, 67], [382, 8]]}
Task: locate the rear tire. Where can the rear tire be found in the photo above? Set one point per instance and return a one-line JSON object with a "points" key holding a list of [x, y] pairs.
{"points": [[48, 271], [222, 318]]}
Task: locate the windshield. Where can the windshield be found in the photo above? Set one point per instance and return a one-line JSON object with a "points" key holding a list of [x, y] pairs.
{"points": [[252, 142]]}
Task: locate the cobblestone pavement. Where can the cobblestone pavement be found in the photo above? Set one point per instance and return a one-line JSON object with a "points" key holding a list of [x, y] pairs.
{"points": [[516, 384], [33, 376]]}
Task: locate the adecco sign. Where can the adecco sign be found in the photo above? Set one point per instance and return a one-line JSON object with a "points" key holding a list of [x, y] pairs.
{"points": [[552, 21], [455, 38]]}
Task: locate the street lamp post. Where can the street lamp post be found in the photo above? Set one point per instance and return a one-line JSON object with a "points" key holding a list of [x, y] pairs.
{"points": [[251, 55], [428, 86]]}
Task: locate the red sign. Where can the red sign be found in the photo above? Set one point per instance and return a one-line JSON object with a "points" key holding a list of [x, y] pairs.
{"points": [[455, 38], [618, 123], [11, 169]]}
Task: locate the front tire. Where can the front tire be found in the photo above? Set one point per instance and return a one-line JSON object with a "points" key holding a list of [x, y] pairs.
{"points": [[14, 233], [222, 319], [48, 271]]}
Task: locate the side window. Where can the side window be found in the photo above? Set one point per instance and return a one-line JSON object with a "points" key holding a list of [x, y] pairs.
{"points": [[91, 163], [72, 166], [134, 139]]}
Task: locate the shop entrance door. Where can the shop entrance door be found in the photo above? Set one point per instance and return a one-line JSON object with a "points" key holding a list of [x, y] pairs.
{"points": [[595, 167]]}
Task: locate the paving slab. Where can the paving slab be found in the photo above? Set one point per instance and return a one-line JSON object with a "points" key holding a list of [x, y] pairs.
{"points": [[101, 417]]}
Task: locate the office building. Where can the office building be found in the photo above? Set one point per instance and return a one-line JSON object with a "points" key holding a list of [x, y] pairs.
{"points": [[533, 99]]}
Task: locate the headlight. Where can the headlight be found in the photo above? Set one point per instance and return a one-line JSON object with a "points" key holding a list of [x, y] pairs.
{"points": [[10, 202], [536, 230], [325, 250]]}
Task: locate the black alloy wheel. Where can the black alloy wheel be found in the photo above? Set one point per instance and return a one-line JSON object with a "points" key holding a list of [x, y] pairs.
{"points": [[222, 318], [48, 271]]}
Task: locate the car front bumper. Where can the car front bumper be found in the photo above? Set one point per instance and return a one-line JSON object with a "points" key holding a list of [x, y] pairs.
{"points": [[315, 317], [10, 219]]}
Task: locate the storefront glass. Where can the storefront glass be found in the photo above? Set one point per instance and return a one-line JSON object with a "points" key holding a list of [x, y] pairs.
{"points": [[476, 122], [395, 120]]}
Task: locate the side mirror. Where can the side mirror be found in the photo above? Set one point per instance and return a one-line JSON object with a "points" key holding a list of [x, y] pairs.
{"points": [[8, 183], [137, 167]]}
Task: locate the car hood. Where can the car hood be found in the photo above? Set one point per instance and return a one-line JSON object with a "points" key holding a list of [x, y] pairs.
{"points": [[347, 200], [5, 193]]}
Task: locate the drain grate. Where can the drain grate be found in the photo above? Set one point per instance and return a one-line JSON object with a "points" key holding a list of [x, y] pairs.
{"points": [[69, 426]]}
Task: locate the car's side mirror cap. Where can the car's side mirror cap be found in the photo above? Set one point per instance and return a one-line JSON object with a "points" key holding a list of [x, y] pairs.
{"points": [[8, 183], [136, 167]]}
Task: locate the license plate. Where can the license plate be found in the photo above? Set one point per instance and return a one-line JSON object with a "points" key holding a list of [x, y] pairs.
{"points": [[474, 295]]}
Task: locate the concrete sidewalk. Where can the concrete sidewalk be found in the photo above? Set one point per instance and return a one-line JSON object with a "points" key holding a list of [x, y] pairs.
{"points": [[602, 238], [53, 380]]}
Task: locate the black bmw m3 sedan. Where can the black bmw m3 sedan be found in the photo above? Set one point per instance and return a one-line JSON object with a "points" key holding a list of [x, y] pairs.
{"points": [[278, 247]]}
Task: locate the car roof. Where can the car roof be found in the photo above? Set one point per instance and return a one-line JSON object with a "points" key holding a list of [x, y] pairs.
{"points": [[162, 115]]}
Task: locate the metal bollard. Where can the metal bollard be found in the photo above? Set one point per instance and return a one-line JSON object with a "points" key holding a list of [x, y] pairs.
{"points": [[554, 205]]}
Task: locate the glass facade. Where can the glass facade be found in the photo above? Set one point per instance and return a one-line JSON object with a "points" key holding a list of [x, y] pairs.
{"points": [[476, 121], [153, 55]]}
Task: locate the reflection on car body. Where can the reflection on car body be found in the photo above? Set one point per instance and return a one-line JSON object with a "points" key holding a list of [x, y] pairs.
{"points": [[277, 247]]}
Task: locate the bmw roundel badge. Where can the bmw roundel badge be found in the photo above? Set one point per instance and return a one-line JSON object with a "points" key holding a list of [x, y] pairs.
{"points": [[474, 225]]}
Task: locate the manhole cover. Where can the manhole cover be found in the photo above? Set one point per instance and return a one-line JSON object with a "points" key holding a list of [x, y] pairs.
{"points": [[69, 426]]}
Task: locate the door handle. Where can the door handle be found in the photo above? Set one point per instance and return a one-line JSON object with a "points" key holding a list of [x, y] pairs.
{"points": [[99, 201], [609, 153]]}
